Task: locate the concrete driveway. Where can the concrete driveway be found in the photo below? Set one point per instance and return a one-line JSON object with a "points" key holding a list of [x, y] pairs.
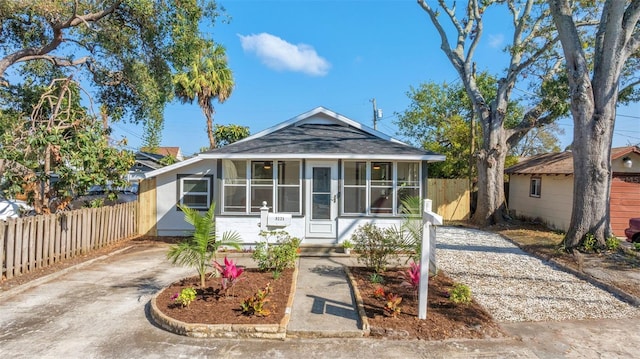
{"points": [[100, 310]]}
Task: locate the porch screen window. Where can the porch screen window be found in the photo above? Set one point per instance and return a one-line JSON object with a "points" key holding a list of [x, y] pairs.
{"points": [[261, 184], [378, 187], [408, 175], [196, 192], [288, 186], [248, 183], [355, 187], [381, 187], [235, 186], [536, 184]]}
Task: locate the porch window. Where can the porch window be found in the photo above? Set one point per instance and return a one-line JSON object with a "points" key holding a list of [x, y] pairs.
{"points": [[382, 187], [261, 184], [408, 175], [355, 187], [234, 186], [249, 183], [288, 187], [195, 192], [378, 187], [535, 187]]}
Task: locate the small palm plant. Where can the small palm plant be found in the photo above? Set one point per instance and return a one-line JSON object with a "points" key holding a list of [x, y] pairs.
{"points": [[198, 250]]}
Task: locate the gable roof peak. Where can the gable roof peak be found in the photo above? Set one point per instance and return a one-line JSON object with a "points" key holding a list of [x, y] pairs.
{"points": [[317, 114]]}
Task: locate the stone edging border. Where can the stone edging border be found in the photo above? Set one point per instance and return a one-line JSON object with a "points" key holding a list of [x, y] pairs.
{"points": [[366, 329], [198, 330]]}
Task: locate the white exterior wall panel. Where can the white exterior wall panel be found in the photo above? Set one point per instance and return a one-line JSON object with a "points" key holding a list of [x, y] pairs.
{"points": [[170, 220], [554, 204]]}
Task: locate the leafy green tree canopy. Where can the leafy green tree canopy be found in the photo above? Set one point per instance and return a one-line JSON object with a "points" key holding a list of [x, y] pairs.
{"points": [[127, 50], [439, 119], [228, 134], [59, 151]]}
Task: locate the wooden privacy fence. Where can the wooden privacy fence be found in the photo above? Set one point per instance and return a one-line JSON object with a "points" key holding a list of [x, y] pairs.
{"points": [[451, 198], [30, 243]]}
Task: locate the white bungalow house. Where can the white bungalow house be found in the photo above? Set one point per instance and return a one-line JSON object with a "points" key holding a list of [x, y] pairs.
{"points": [[541, 187], [327, 173]]}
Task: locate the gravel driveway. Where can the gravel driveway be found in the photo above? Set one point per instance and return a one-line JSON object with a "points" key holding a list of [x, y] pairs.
{"points": [[514, 286]]}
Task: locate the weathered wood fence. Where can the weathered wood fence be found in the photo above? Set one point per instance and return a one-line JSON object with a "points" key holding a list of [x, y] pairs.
{"points": [[30, 243]]}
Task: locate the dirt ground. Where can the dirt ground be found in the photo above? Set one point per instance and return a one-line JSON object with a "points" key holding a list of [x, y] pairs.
{"points": [[445, 319], [212, 306]]}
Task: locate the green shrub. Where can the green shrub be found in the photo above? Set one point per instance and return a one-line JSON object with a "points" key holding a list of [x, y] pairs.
{"points": [[613, 243], [589, 242], [255, 305], [636, 246], [278, 255], [376, 278], [186, 296], [375, 247], [460, 294]]}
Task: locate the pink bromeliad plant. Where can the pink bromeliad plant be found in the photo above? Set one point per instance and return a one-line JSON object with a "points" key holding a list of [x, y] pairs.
{"points": [[229, 273], [412, 277]]}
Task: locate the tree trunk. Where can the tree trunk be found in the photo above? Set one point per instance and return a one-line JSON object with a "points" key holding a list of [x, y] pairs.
{"points": [[593, 106], [490, 206], [208, 113]]}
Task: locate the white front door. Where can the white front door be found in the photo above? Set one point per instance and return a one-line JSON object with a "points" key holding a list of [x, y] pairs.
{"points": [[322, 201]]}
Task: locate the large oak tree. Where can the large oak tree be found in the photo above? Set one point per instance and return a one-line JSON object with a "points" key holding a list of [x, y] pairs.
{"points": [[460, 32], [595, 85]]}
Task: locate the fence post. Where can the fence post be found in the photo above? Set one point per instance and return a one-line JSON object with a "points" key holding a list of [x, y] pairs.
{"points": [[264, 214], [428, 238]]}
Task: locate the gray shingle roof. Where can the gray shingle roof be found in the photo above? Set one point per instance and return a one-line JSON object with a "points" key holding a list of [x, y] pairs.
{"points": [[319, 139]]}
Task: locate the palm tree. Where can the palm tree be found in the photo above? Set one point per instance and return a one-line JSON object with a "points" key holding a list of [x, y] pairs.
{"points": [[208, 78], [200, 249]]}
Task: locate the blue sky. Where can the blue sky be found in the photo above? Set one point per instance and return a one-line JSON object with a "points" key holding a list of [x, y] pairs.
{"points": [[289, 57]]}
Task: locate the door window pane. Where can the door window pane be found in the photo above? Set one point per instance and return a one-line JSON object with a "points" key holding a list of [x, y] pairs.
{"points": [[321, 208], [321, 179]]}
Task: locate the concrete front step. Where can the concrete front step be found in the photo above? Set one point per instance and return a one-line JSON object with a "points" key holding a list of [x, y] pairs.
{"points": [[321, 250]]}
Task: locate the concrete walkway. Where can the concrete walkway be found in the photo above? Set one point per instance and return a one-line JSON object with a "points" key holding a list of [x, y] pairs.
{"points": [[100, 310], [323, 305]]}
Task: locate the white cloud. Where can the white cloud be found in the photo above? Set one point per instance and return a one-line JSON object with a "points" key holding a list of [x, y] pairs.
{"points": [[280, 55], [495, 41]]}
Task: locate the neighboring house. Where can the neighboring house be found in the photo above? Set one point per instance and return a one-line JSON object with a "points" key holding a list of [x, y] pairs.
{"points": [[147, 161], [329, 173], [542, 187]]}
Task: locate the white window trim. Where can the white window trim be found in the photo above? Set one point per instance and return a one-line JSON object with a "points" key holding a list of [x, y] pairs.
{"points": [[208, 193], [394, 188], [538, 187], [273, 204]]}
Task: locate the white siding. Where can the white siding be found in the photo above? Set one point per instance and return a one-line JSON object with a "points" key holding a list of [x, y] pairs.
{"points": [[347, 225], [554, 204], [170, 220], [249, 227]]}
